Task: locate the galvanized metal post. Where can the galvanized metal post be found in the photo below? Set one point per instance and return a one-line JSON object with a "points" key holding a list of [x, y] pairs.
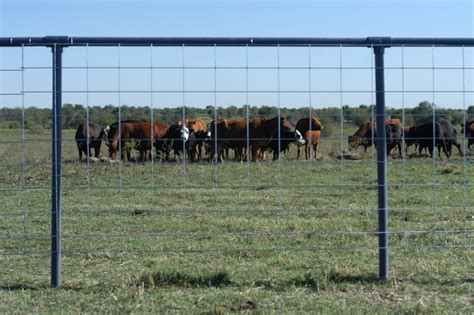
{"points": [[381, 162], [56, 171]]}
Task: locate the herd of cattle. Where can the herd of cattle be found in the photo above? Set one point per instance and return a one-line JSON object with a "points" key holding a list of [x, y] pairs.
{"points": [[250, 138]]}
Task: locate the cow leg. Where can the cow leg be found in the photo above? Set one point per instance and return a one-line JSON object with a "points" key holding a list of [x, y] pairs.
{"points": [[307, 150], [254, 153], [220, 154], [298, 153], [458, 145], [79, 149], [315, 149], [194, 154], [275, 155], [439, 150], [97, 151], [446, 150], [241, 155], [431, 149], [199, 147]]}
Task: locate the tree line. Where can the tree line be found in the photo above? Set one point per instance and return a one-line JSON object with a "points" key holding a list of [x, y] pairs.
{"points": [[76, 114]]}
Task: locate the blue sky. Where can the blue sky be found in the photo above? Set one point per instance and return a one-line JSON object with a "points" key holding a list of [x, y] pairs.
{"points": [[421, 18]]}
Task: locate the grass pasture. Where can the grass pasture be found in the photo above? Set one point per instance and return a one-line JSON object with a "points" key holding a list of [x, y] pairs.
{"points": [[273, 236]]}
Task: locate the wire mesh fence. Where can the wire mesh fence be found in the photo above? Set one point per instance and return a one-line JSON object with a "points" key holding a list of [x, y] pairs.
{"points": [[198, 146]]}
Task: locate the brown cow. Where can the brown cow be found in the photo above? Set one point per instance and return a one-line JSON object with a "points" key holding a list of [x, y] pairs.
{"points": [[311, 130], [312, 140], [144, 132], [233, 133], [363, 136]]}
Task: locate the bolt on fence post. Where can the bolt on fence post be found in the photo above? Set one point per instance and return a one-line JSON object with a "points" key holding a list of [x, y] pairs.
{"points": [[56, 168], [381, 162]]}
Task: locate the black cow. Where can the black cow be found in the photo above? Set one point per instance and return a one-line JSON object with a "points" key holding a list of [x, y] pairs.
{"points": [[368, 132], [91, 137], [467, 129], [286, 138], [179, 138], [394, 135], [444, 137]]}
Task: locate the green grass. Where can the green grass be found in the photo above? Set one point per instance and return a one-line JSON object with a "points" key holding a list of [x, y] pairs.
{"points": [[275, 236]]}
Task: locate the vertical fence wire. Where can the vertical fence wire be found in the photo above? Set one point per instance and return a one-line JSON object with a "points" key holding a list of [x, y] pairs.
{"points": [[310, 165], [87, 122], [341, 139], [433, 105], [247, 114], [280, 189], [152, 126], [216, 153], [121, 156], [463, 146], [405, 148], [183, 122], [23, 145], [373, 178]]}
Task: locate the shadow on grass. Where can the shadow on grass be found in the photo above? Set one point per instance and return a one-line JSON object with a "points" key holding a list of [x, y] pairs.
{"points": [[430, 280], [21, 287], [181, 279], [337, 277], [25, 287], [318, 281]]}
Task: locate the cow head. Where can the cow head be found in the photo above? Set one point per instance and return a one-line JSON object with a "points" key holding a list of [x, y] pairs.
{"points": [[106, 134], [184, 133], [285, 124], [316, 124], [468, 128], [354, 142], [409, 136], [299, 140], [113, 148]]}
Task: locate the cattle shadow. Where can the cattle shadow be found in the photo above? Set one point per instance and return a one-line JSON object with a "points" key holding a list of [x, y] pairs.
{"points": [[21, 287], [26, 287]]}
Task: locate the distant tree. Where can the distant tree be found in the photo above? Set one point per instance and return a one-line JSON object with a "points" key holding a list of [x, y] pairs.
{"points": [[232, 111], [423, 112]]}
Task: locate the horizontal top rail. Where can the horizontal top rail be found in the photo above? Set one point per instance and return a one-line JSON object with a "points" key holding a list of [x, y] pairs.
{"points": [[232, 41]]}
